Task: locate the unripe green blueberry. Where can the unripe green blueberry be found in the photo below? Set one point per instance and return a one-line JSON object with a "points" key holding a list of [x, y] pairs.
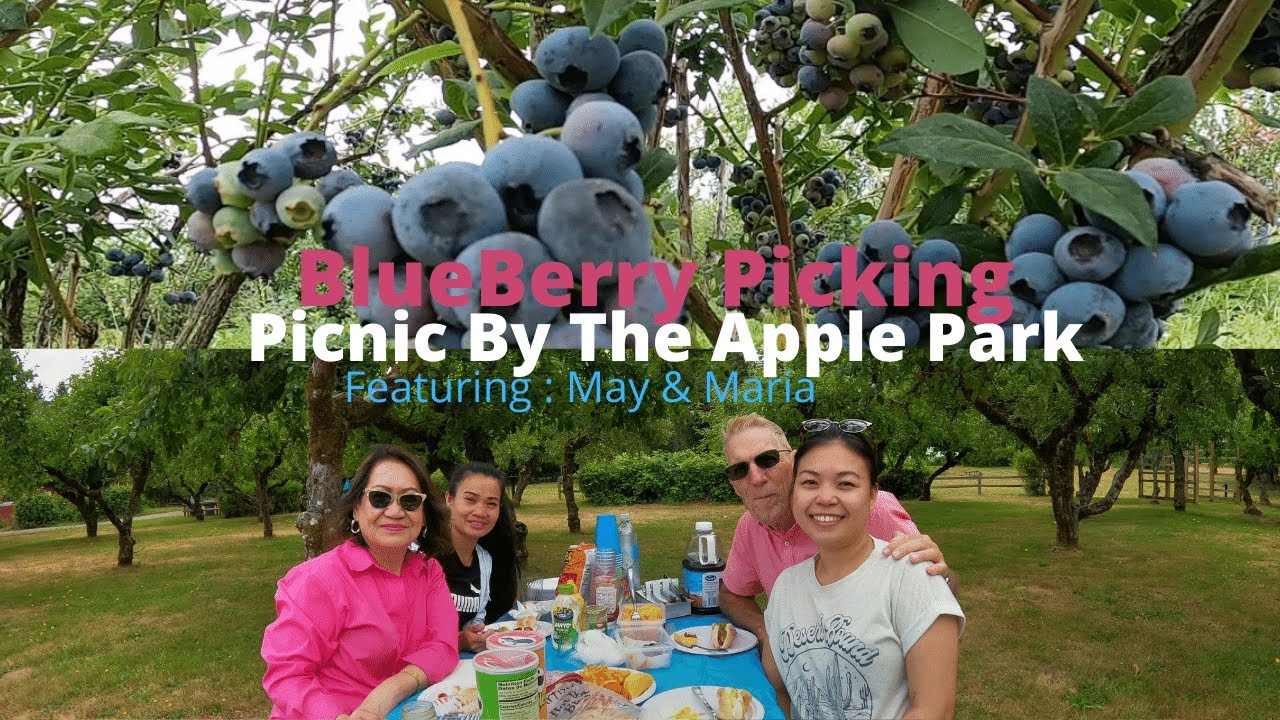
{"points": [[822, 10], [229, 188], [1065, 77], [232, 227], [894, 80], [222, 262], [788, 80], [894, 59], [1029, 52], [841, 49], [866, 29], [1267, 78], [300, 207], [200, 232]]}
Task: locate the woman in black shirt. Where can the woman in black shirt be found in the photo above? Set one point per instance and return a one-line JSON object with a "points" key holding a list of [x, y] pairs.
{"points": [[481, 564]]}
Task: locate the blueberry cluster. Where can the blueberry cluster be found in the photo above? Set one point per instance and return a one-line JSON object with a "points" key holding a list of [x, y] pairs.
{"points": [[820, 190], [1119, 291], [1259, 65], [880, 242], [249, 211], [135, 264], [673, 115], [810, 44], [805, 239], [753, 201], [707, 162], [1014, 70], [579, 68], [186, 297]]}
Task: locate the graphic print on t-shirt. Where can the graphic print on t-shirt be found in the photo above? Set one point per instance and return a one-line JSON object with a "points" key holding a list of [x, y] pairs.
{"points": [[823, 670]]}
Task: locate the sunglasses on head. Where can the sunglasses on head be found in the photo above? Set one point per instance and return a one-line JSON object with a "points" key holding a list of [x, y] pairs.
{"points": [[409, 501], [764, 461], [853, 426]]}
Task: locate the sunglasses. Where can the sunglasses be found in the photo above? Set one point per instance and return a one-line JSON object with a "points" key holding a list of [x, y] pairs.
{"points": [[409, 501], [852, 426], [764, 461]]}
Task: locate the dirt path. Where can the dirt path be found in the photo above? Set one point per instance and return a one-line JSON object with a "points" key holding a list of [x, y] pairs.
{"points": [[171, 513]]}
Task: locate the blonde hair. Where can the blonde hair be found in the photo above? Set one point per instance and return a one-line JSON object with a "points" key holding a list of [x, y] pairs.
{"points": [[752, 421]]}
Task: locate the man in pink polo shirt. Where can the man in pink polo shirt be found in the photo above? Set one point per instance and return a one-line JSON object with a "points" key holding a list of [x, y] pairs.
{"points": [[767, 539]]}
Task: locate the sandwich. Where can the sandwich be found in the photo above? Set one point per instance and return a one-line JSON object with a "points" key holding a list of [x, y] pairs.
{"points": [[733, 704], [723, 635]]}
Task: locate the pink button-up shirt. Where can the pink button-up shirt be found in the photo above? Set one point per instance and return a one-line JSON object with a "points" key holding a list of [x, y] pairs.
{"points": [[759, 553], [344, 624]]}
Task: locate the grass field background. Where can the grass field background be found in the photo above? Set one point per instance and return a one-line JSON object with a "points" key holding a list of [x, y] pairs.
{"points": [[1158, 615]]}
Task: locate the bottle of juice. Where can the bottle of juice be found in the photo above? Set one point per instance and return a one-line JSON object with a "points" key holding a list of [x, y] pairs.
{"points": [[566, 617], [703, 567], [604, 582]]}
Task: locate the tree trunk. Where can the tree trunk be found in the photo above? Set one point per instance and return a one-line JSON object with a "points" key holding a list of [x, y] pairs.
{"points": [[1240, 481], [13, 304], [47, 314], [1263, 479], [197, 508], [950, 460], [208, 314], [476, 444], [326, 444], [88, 512], [525, 476], [263, 488], [569, 467], [1249, 475], [1179, 478], [1058, 465]]}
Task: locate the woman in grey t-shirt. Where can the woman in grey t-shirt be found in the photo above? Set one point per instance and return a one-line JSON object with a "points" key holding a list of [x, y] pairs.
{"points": [[853, 633]]}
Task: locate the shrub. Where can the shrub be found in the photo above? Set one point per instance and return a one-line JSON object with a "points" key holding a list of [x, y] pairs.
{"points": [[40, 510], [1033, 474], [905, 484], [284, 499], [117, 497], [684, 476]]}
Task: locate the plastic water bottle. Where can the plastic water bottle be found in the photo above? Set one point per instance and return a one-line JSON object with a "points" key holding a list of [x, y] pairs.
{"points": [[630, 551], [703, 567]]}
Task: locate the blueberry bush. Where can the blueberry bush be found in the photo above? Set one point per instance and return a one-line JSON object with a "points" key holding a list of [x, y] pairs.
{"points": [[157, 157]]}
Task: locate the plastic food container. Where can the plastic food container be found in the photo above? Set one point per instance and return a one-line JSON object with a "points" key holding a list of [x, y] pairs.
{"points": [[646, 645]]}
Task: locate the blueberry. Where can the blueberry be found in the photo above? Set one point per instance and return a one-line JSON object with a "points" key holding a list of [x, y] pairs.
{"points": [[523, 170], [585, 98], [1146, 275], [834, 99], [1170, 173], [880, 238], [1266, 78], [648, 299], [539, 105], [313, 155], [450, 339], [259, 260], [1034, 233], [336, 181], [222, 262], [634, 184], [229, 188], [264, 217], [1207, 218], [445, 208], [822, 10], [813, 81], [171, 298], [265, 173], [188, 297], [643, 34], [140, 270], [156, 275], [815, 35], [165, 259], [1138, 329], [866, 78], [865, 29], [200, 232], [300, 207], [361, 215], [528, 311], [1034, 275], [641, 79], [885, 283], [909, 328], [606, 137], [594, 220], [114, 254], [380, 312], [1226, 259], [1097, 309], [575, 62], [564, 335], [446, 117], [936, 252], [648, 118], [202, 193], [115, 270], [232, 227], [827, 316], [1088, 253]]}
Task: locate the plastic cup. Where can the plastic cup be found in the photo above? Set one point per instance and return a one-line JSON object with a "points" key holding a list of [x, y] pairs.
{"points": [[607, 533]]}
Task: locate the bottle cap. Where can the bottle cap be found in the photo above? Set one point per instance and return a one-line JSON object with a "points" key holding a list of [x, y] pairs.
{"points": [[625, 517], [702, 526]]}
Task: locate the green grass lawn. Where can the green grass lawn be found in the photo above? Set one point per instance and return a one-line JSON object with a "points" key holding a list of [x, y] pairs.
{"points": [[1160, 614]]}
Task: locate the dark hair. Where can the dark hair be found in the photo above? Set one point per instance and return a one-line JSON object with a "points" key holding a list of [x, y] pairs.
{"points": [[500, 542], [853, 442], [435, 529]]}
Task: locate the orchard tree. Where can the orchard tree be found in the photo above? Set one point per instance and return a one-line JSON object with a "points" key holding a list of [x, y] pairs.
{"points": [[19, 404]]}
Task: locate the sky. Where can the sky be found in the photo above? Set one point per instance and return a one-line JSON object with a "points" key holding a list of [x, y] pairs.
{"points": [[51, 367]]}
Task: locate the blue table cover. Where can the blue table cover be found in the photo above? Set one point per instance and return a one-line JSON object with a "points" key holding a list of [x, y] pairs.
{"points": [[742, 670]]}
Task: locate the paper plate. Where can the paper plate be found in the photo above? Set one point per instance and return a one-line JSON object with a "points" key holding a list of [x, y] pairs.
{"points": [[508, 625], [442, 693], [743, 641], [653, 686], [665, 705]]}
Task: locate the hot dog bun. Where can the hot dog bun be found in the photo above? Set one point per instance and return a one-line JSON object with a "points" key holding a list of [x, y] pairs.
{"points": [[723, 635], [733, 704]]}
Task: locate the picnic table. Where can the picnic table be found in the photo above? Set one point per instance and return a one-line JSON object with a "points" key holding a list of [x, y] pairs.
{"points": [[742, 670]]}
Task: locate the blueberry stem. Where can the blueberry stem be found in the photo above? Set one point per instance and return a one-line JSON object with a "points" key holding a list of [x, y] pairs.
{"points": [[519, 7], [489, 109]]}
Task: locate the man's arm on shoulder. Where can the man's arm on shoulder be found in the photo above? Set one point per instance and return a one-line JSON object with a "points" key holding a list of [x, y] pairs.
{"points": [[908, 542]]}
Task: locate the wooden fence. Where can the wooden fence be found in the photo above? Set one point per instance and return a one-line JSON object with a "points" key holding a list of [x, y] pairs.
{"points": [[977, 479]]}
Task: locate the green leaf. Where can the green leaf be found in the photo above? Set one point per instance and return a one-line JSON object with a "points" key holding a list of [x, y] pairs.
{"points": [[1036, 198], [958, 141], [600, 14], [1055, 119], [685, 10], [655, 167], [460, 97], [1102, 155], [98, 137], [13, 15], [1157, 104], [1115, 196], [1270, 121], [941, 209], [420, 58], [1090, 108], [1258, 261], [461, 130], [1210, 323], [939, 34], [976, 245]]}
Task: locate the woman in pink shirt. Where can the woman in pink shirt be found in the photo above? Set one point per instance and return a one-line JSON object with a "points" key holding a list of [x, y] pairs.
{"points": [[365, 625]]}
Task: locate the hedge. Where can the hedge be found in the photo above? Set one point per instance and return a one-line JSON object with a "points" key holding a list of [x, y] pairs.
{"points": [[40, 510], [684, 476], [284, 499], [905, 484]]}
